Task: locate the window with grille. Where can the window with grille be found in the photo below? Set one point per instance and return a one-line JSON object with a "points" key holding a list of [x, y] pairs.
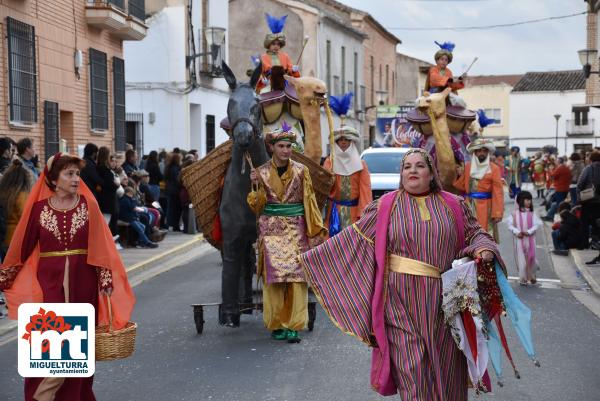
{"points": [[328, 64], [336, 85], [342, 89], [210, 132], [22, 71], [119, 102], [387, 78], [496, 114], [99, 89], [355, 87], [372, 89], [137, 9], [363, 97], [51, 130]]}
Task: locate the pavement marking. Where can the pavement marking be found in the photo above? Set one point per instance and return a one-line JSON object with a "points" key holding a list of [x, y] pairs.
{"points": [[154, 258], [553, 284], [549, 280]]}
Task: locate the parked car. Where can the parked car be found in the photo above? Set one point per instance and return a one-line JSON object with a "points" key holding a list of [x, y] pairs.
{"points": [[384, 168]]}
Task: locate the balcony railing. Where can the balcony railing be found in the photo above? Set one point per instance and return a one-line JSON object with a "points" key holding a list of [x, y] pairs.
{"points": [[137, 9], [580, 129], [122, 18], [117, 3]]}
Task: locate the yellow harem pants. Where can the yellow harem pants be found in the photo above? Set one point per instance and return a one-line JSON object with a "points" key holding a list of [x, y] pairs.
{"points": [[285, 306]]}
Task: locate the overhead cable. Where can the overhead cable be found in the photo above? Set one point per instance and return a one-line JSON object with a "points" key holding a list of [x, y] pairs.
{"points": [[483, 27]]}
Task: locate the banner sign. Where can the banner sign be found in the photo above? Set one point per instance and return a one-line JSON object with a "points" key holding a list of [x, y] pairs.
{"points": [[392, 128]]}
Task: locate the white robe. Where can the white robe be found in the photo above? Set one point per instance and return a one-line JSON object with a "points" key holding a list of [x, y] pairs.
{"points": [[520, 245]]}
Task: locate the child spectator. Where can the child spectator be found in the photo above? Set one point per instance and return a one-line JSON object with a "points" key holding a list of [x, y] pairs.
{"points": [[523, 223], [567, 233], [129, 212]]}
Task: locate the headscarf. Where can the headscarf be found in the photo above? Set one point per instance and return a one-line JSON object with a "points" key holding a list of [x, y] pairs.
{"points": [[479, 169], [346, 162], [101, 253], [436, 184]]}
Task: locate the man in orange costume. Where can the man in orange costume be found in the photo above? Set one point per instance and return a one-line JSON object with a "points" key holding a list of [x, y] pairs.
{"points": [[481, 183], [274, 56], [351, 192], [440, 76]]}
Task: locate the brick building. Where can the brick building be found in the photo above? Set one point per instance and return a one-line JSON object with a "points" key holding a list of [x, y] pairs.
{"points": [[62, 66], [592, 87]]}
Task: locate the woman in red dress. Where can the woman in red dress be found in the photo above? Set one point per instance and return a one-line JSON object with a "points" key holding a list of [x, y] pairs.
{"points": [[50, 260]]}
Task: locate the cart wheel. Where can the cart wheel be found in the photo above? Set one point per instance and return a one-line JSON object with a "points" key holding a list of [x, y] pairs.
{"points": [[199, 318], [312, 315]]}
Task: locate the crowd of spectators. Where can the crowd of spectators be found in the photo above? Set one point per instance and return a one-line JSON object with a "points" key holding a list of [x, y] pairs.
{"points": [[144, 197]]}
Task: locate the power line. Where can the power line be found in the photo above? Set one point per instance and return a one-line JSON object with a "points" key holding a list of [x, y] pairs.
{"points": [[482, 27]]}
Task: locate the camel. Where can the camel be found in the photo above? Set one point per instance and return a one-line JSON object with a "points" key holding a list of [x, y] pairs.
{"points": [[434, 105], [311, 92]]}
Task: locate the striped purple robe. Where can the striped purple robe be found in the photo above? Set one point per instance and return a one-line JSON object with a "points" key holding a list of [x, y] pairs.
{"points": [[426, 363]]}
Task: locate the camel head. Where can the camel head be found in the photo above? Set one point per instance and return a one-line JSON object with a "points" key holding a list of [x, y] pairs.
{"points": [[308, 88], [474, 129], [436, 102]]}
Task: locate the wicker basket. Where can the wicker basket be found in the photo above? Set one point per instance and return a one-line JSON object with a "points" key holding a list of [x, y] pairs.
{"points": [[203, 181], [322, 179], [115, 344]]}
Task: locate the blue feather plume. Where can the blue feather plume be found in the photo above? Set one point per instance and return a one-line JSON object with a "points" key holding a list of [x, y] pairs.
{"points": [[341, 104], [255, 59], [484, 121], [446, 46], [275, 24], [285, 127]]}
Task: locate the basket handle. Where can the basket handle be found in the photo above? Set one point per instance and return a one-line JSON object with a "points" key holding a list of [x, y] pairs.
{"points": [[110, 316]]}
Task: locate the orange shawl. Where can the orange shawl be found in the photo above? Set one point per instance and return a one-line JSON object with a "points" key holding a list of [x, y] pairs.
{"points": [[101, 253]]}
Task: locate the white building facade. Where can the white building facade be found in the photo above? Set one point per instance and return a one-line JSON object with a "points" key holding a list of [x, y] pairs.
{"points": [[535, 101], [173, 101], [340, 65]]}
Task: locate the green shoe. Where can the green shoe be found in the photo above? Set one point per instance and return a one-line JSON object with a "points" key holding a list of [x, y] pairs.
{"points": [[292, 337], [279, 334]]}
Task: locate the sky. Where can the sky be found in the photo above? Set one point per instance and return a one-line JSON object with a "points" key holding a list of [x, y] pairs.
{"points": [[542, 46]]}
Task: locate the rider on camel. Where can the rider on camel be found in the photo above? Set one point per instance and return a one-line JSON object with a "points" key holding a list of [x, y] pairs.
{"points": [[440, 77], [274, 56]]}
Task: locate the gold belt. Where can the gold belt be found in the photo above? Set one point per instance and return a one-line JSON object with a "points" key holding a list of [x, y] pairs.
{"points": [[64, 253], [399, 264]]}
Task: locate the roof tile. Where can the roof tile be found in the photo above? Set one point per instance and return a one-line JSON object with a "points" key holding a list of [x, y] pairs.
{"points": [[551, 81]]}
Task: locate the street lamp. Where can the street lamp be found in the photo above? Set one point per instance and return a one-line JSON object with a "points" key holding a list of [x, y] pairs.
{"points": [[381, 97], [215, 41], [586, 58], [557, 116]]}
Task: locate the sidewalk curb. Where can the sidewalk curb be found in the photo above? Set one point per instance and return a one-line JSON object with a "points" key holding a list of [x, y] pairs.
{"points": [[11, 325], [585, 271], [171, 252]]}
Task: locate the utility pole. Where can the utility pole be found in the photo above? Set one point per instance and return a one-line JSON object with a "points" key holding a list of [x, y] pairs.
{"points": [[557, 116]]}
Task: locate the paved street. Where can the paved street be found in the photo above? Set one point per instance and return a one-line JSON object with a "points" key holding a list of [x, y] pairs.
{"points": [[173, 363]]}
